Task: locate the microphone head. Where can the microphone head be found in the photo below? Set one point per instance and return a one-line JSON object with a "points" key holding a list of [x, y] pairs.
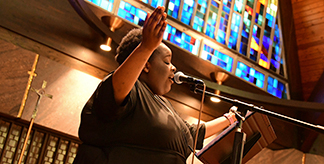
{"points": [[177, 76]]}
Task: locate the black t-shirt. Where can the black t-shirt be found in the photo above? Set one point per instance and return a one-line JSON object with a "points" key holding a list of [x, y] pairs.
{"points": [[144, 127]]}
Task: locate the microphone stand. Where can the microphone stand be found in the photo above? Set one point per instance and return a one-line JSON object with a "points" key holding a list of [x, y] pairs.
{"points": [[243, 107]]}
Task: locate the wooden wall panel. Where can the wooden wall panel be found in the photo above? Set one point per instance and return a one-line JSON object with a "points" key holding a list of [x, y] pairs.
{"points": [[14, 66], [309, 27]]}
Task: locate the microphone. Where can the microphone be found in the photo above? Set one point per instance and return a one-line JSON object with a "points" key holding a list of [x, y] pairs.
{"points": [[180, 78]]}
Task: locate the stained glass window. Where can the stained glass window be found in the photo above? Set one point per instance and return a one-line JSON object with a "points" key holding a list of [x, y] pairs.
{"points": [[131, 13], [154, 3], [267, 41], [245, 27], [276, 88], [255, 39], [217, 58], [173, 8], [260, 11], [187, 11], [221, 34], [238, 6], [181, 39], [247, 19], [105, 4], [275, 58], [249, 74], [200, 15], [236, 21], [145, 1], [212, 19]]}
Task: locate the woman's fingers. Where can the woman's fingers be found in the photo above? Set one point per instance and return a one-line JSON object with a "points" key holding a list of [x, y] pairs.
{"points": [[153, 17], [156, 19], [160, 27], [146, 19], [154, 27]]}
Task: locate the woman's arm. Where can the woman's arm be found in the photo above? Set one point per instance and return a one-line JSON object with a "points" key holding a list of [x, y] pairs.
{"points": [[127, 73], [218, 124]]}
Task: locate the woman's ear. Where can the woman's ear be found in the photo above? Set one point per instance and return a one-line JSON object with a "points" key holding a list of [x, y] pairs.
{"points": [[147, 67]]}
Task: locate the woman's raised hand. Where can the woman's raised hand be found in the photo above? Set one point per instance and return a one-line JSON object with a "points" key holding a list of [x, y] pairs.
{"points": [[153, 29]]}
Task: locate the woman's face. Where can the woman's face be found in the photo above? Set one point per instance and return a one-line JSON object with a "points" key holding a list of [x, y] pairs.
{"points": [[160, 70]]}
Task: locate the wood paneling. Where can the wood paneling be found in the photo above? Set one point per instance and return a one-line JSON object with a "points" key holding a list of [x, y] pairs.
{"points": [[309, 26], [14, 66]]}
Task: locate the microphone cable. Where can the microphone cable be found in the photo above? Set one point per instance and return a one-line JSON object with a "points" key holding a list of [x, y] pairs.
{"points": [[198, 124]]}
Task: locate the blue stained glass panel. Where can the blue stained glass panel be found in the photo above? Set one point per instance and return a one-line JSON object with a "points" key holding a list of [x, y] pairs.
{"points": [[181, 39], [276, 88], [247, 19], [200, 15], [173, 8], [156, 3], [236, 21], [211, 19], [105, 4], [187, 11], [145, 1], [97, 2], [238, 6], [255, 42], [221, 33], [276, 50], [131, 13], [217, 58], [250, 74]]}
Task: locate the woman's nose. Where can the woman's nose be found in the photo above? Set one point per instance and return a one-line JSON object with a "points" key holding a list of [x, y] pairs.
{"points": [[173, 68]]}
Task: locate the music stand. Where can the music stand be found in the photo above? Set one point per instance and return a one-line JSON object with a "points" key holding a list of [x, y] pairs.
{"points": [[259, 134]]}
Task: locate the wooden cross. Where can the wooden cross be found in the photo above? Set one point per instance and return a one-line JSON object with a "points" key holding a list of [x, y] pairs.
{"points": [[40, 92]]}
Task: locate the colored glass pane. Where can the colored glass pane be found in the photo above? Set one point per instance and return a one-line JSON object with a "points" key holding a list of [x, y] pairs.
{"points": [[266, 41], [212, 18], [145, 1], [156, 3], [281, 70], [105, 4], [255, 47], [236, 21], [131, 13], [259, 11], [217, 58], [221, 33], [238, 6], [249, 74], [200, 15], [247, 18], [275, 56], [276, 88], [276, 50], [173, 8], [272, 8], [187, 11], [181, 39]]}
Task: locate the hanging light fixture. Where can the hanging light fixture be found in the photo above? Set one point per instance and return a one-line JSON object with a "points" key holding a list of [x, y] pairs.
{"points": [[220, 78], [107, 45], [113, 23]]}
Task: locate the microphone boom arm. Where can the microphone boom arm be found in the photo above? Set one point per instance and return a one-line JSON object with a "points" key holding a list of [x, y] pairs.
{"points": [[236, 102]]}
